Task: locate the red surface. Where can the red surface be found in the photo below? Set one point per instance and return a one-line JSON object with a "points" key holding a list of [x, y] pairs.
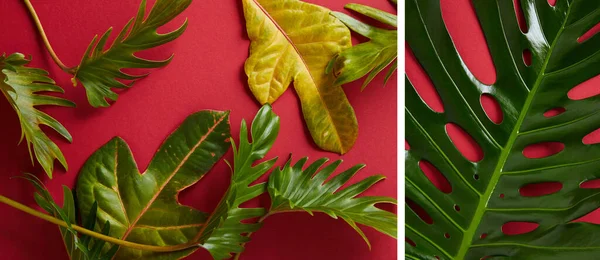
{"points": [[205, 74], [463, 26]]}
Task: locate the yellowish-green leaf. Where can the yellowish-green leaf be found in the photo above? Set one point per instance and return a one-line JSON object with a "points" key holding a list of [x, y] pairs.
{"points": [[21, 86], [293, 41]]}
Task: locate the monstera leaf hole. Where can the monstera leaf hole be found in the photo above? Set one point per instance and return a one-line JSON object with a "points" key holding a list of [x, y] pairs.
{"points": [[587, 89], [468, 39], [457, 208], [590, 184], [435, 176], [514, 228], [552, 2], [554, 111], [410, 242], [543, 150], [527, 57], [520, 16], [406, 145], [422, 83], [417, 209], [591, 32], [592, 138], [465, 144], [540, 189], [492, 108]]}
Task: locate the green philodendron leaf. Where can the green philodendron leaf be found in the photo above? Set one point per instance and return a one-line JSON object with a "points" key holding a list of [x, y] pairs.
{"points": [[467, 222], [370, 57], [143, 208], [84, 248], [293, 189], [89, 248], [293, 41], [21, 85], [224, 232], [100, 70]]}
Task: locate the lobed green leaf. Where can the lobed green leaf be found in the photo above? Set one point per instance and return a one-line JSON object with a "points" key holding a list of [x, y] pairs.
{"points": [[101, 68], [225, 232], [291, 189], [371, 57], [21, 85]]}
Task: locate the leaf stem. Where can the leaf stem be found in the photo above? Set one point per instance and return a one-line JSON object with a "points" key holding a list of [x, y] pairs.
{"points": [[38, 24], [94, 234]]}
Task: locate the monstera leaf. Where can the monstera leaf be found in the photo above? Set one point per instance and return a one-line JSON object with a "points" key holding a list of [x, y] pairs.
{"points": [[21, 86], [293, 41], [370, 57], [467, 222], [143, 208], [224, 232], [100, 70], [293, 189]]}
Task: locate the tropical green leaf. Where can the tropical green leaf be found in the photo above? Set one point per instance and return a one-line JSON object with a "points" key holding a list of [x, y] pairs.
{"points": [[101, 67], [67, 213], [143, 208], [90, 248], [370, 57], [77, 248], [224, 232], [21, 85], [467, 223], [292, 41], [293, 189]]}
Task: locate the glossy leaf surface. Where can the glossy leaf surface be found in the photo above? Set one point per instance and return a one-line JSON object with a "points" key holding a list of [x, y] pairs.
{"points": [[224, 232], [143, 208], [467, 223], [293, 41], [292, 188], [21, 85], [371, 57], [102, 65]]}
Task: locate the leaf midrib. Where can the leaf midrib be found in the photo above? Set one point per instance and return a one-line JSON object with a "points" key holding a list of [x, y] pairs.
{"points": [[168, 180], [335, 127], [483, 200]]}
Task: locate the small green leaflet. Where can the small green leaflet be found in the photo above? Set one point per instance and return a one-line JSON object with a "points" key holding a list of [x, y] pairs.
{"points": [[21, 85], [100, 70], [371, 57]]}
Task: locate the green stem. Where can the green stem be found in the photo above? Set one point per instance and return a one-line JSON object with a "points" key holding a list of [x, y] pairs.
{"points": [[38, 24], [91, 233]]}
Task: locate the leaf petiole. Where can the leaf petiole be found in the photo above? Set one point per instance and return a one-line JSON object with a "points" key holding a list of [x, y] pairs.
{"points": [[38, 24], [94, 234]]}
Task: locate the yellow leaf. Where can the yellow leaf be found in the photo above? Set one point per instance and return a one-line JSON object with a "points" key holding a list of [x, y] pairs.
{"points": [[293, 41]]}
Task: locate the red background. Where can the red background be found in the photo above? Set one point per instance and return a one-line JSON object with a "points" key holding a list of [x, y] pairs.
{"points": [[463, 26], [206, 73]]}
